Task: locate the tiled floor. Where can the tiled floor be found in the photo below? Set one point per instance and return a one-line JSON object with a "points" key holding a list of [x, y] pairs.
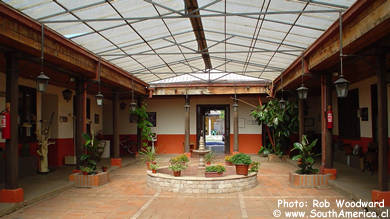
{"points": [[127, 196]]}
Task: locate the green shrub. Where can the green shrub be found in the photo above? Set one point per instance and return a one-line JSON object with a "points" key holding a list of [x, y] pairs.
{"points": [[228, 158], [177, 166], [241, 159], [154, 166], [179, 159], [215, 168]]}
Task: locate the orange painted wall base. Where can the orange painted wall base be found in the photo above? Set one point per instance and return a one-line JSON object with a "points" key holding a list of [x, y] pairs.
{"points": [[116, 162], [379, 196], [331, 171], [12, 195]]}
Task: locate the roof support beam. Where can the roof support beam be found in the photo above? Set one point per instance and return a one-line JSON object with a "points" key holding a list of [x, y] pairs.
{"points": [[197, 27], [194, 53]]}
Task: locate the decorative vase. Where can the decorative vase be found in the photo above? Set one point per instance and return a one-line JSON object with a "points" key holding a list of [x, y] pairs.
{"points": [[242, 169], [213, 174], [176, 173]]}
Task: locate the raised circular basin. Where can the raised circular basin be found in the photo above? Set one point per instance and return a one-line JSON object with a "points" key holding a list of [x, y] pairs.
{"points": [[194, 181]]}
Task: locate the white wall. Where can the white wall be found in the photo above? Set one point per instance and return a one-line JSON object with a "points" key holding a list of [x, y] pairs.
{"points": [[125, 126]]}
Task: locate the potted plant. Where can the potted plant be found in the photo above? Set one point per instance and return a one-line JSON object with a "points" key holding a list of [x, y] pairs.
{"points": [[209, 157], [181, 158], [305, 158], [104, 168], [228, 160], [176, 168], [154, 167], [280, 122], [86, 170], [148, 156], [254, 167], [214, 171], [242, 162], [306, 175], [92, 153]]}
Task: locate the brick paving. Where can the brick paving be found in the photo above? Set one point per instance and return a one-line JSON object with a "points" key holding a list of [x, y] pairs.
{"points": [[127, 196]]}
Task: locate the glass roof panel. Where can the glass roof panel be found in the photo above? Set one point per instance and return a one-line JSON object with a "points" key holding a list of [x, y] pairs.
{"points": [[263, 37]]}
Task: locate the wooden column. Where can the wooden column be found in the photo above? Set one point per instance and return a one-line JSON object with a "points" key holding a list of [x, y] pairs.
{"points": [[235, 126], [11, 145], [81, 114], [328, 132], [115, 127], [187, 126], [139, 131], [301, 119], [382, 124]]}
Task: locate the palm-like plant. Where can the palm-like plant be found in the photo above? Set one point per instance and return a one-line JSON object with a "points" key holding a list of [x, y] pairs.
{"points": [[305, 158]]}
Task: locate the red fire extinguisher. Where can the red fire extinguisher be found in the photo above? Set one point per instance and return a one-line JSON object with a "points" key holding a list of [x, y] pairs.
{"points": [[329, 117], [5, 125]]}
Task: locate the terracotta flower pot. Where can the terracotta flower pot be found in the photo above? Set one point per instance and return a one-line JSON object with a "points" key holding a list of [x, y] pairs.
{"points": [[213, 174], [154, 171], [176, 173], [84, 173], [148, 164], [242, 169], [228, 163], [208, 163]]}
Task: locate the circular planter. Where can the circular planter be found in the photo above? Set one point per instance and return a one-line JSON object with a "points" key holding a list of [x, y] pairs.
{"points": [[213, 174], [176, 173], [242, 169], [308, 180]]}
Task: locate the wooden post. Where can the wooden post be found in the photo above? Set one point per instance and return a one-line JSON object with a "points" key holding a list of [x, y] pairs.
{"points": [[382, 123], [81, 116], [115, 127], [301, 119], [187, 126], [235, 126], [139, 137], [328, 132], [11, 148]]}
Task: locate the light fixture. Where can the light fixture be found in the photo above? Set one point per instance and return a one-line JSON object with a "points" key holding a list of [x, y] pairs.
{"points": [[341, 84], [133, 104], [42, 79], [187, 105], [99, 96], [302, 90], [67, 94]]}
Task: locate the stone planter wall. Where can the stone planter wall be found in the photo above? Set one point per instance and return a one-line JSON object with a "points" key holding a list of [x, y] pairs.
{"points": [[191, 184], [308, 181], [88, 181]]}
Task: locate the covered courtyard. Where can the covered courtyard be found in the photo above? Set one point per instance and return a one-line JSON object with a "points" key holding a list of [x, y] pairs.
{"points": [[295, 93]]}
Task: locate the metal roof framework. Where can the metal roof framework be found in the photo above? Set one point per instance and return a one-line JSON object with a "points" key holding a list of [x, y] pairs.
{"points": [[179, 40]]}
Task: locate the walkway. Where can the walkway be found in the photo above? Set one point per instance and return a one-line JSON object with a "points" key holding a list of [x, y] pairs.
{"points": [[127, 196]]}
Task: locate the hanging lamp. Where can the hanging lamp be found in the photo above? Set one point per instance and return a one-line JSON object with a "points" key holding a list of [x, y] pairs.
{"points": [[42, 79], [341, 84], [302, 90]]}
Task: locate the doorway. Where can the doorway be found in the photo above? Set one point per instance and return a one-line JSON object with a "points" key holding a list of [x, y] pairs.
{"points": [[213, 121]]}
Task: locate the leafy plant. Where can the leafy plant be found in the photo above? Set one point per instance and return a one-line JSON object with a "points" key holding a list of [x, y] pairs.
{"points": [[92, 153], [254, 167], [177, 166], [228, 158], [215, 168], [180, 158], [305, 158], [241, 159], [280, 121], [209, 156], [264, 151], [154, 166], [87, 170], [144, 124], [148, 155]]}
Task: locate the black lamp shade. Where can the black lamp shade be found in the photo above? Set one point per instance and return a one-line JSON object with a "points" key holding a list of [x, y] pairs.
{"points": [[302, 92], [42, 81], [342, 86], [99, 99], [67, 94], [133, 106]]}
